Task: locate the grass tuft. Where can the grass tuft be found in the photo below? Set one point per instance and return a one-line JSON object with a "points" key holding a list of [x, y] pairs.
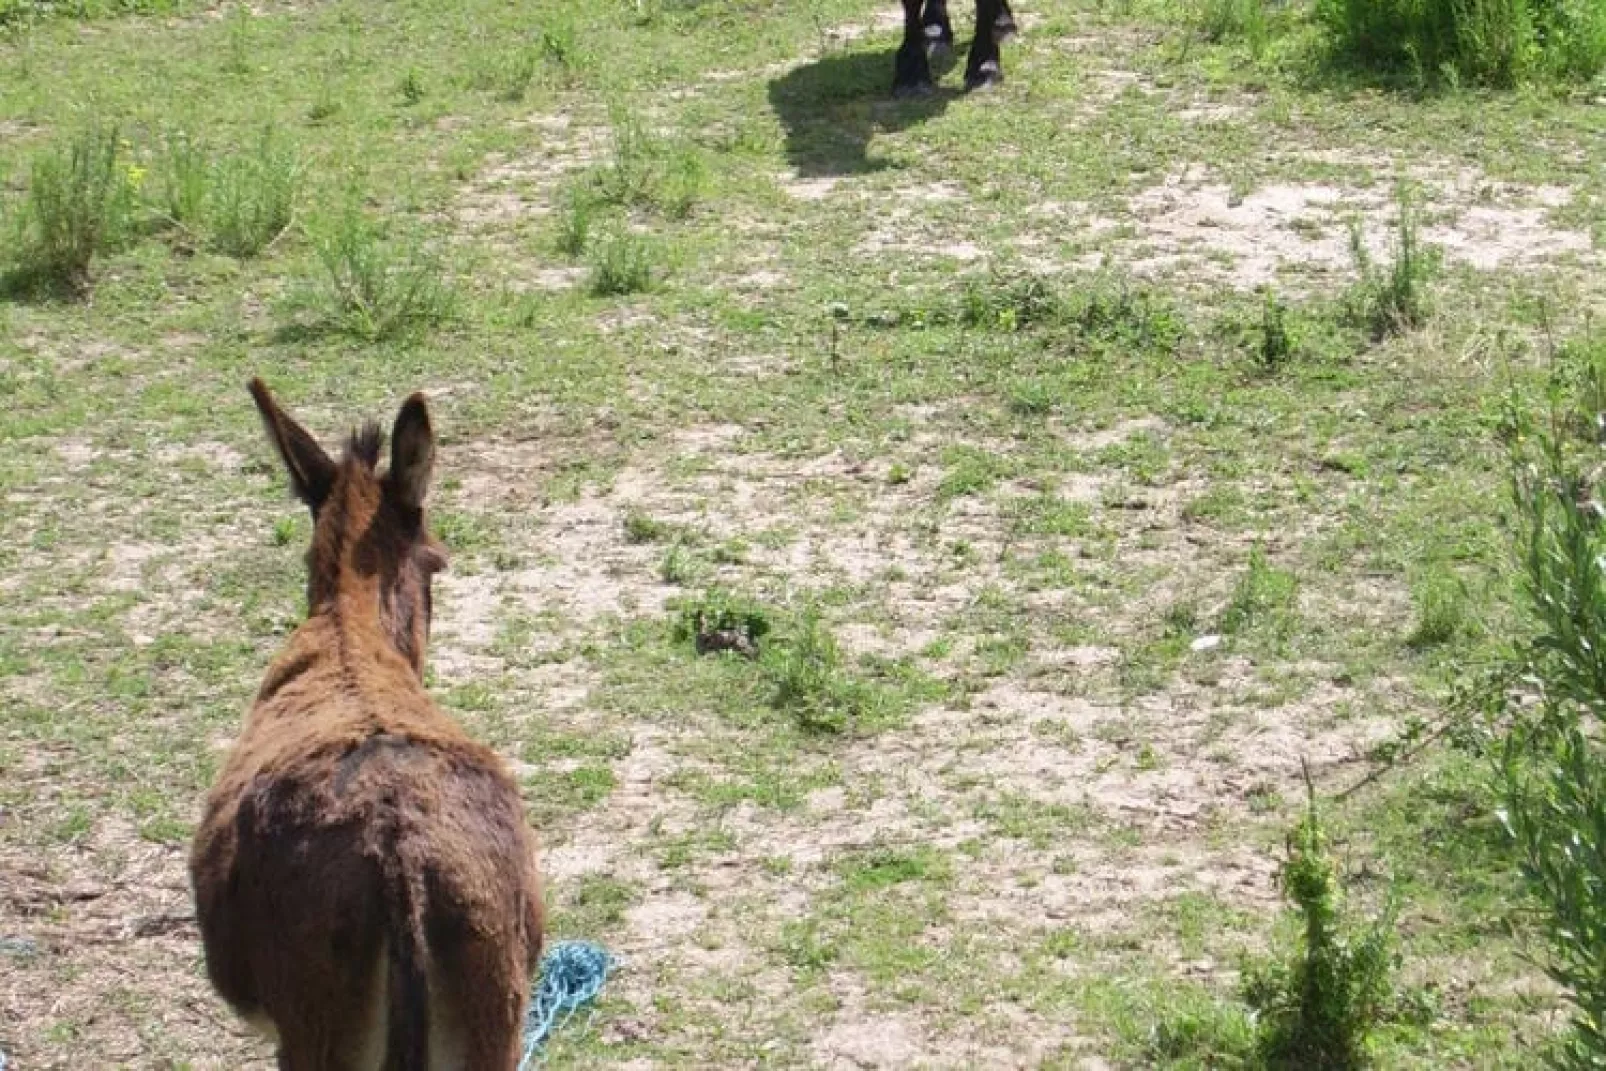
{"points": [[81, 203], [1264, 598], [1317, 1008], [1395, 299], [622, 264], [373, 287], [252, 197], [1486, 42]]}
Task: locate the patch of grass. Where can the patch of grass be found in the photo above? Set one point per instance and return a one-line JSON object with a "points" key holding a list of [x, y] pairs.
{"points": [[553, 796], [809, 682], [184, 173], [1489, 42], [1276, 344], [641, 528], [598, 904], [252, 197], [971, 471], [1227, 20], [678, 565], [412, 88], [374, 287], [518, 72], [1440, 599], [1009, 301], [1039, 823], [622, 265], [1395, 299], [1047, 514], [883, 868], [1317, 1008], [647, 171], [576, 212], [241, 38], [1031, 397], [81, 202], [1264, 598]]}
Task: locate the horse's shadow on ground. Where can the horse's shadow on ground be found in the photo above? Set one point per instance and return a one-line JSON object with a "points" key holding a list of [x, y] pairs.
{"points": [[831, 108]]}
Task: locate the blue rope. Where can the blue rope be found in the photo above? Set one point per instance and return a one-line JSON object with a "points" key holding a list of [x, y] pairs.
{"points": [[572, 973]]}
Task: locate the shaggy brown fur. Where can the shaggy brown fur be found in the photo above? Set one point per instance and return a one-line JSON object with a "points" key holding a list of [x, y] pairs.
{"points": [[364, 877]]}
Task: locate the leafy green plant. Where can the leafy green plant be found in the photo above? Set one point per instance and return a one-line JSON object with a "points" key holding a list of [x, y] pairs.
{"points": [[622, 264], [184, 172], [808, 681], [1552, 762], [1276, 342], [252, 197], [721, 620], [81, 202], [1395, 299], [1489, 42], [1317, 1007], [1263, 597], [374, 287]]}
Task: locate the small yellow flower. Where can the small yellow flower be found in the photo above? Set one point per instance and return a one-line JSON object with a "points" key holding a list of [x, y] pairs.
{"points": [[136, 176]]}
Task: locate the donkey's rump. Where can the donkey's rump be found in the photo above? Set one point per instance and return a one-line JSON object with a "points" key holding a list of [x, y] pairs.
{"points": [[336, 863]]}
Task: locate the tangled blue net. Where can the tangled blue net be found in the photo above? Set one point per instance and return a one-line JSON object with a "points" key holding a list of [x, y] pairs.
{"points": [[572, 973]]}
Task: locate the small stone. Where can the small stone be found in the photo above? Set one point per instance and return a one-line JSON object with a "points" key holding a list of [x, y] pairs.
{"points": [[19, 947], [1205, 643]]}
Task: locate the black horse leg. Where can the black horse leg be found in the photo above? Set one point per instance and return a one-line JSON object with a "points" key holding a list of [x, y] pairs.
{"points": [[983, 69], [912, 73], [1004, 24], [938, 30]]}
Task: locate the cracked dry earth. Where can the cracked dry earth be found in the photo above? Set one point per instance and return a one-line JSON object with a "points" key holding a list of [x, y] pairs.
{"points": [[1034, 854], [1066, 808]]}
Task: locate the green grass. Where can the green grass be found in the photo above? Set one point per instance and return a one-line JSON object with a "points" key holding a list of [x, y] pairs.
{"points": [[373, 286], [1064, 525], [81, 202]]}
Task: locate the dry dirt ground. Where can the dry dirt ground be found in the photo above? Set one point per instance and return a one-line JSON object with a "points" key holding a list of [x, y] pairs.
{"points": [[1075, 814]]}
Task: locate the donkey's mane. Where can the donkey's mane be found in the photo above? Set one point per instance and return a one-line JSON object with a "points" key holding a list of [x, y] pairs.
{"points": [[364, 443]]}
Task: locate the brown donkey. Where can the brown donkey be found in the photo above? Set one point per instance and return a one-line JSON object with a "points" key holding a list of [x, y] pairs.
{"points": [[364, 877]]}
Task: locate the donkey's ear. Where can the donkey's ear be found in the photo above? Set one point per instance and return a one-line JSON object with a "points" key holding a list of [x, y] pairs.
{"points": [[312, 474], [412, 454]]}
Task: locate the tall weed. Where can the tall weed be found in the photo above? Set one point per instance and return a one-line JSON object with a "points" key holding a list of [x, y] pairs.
{"points": [[252, 197], [1486, 42], [1317, 1008], [1552, 758], [81, 202], [372, 286], [1394, 299]]}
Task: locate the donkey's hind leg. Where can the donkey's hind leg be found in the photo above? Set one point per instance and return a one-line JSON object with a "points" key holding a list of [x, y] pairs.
{"points": [[476, 1015]]}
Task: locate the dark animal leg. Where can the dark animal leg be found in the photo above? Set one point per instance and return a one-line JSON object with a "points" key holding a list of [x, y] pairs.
{"points": [[983, 69], [1004, 23], [938, 30], [912, 76]]}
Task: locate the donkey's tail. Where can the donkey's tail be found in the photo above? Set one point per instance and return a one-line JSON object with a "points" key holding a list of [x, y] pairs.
{"points": [[407, 974]]}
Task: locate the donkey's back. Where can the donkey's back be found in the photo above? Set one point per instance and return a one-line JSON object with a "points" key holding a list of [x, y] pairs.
{"points": [[364, 877]]}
